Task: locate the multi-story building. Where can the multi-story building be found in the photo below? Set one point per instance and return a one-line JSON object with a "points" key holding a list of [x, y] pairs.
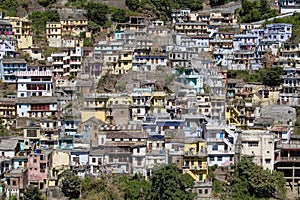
{"points": [[258, 144], [16, 182], [180, 56], [22, 29], [37, 107], [287, 160], [140, 103], [191, 28], [9, 67], [5, 27], [73, 25], [287, 6], [119, 109], [135, 23], [7, 48], [195, 158], [192, 80], [34, 83], [38, 168], [203, 104], [220, 141], [290, 86], [148, 62], [54, 35], [279, 32], [96, 105], [7, 112], [67, 63], [123, 63]]}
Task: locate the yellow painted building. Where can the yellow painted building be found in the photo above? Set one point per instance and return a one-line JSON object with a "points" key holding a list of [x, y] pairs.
{"points": [[124, 63], [195, 159], [73, 26], [95, 105], [22, 30], [158, 102], [60, 161], [7, 111]]}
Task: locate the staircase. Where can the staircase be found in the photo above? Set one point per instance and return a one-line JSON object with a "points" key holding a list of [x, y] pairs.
{"points": [[194, 176], [235, 111]]}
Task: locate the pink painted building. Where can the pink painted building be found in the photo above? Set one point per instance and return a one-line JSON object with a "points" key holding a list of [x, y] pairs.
{"points": [[38, 168]]}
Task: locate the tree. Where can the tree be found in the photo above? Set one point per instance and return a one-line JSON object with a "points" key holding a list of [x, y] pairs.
{"points": [[39, 20], [251, 181], [119, 16], [135, 187], [96, 12], [271, 76], [71, 185], [46, 3], [254, 11], [32, 193], [168, 183], [102, 188]]}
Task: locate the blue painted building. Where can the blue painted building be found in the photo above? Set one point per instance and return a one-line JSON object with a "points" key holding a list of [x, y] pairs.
{"points": [[9, 67]]}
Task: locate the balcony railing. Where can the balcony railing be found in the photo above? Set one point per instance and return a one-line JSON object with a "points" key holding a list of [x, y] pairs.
{"points": [[194, 154], [288, 159]]}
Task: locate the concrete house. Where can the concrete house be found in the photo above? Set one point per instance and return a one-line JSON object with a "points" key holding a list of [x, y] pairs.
{"points": [[9, 66], [34, 83]]}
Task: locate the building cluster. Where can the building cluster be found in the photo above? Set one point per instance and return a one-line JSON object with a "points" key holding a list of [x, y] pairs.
{"points": [[173, 104]]}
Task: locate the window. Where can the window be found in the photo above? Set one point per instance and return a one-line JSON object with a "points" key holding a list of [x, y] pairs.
{"points": [[220, 158], [200, 191], [34, 160], [93, 160], [211, 158], [268, 161], [215, 147], [139, 161], [14, 183], [253, 144], [206, 191], [138, 150], [20, 163]]}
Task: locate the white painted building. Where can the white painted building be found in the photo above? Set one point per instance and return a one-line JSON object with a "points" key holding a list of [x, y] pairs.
{"points": [[220, 144], [258, 144], [34, 83], [37, 106]]}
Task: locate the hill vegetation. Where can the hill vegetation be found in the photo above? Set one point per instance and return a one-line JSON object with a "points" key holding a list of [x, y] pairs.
{"points": [[252, 11], [267, 76], [163, 8]]}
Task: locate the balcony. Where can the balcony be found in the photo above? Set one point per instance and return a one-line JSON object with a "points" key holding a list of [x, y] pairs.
{"points": [[195, 154], [288, 146], [288, 159], [201, 166], [66, 147]]}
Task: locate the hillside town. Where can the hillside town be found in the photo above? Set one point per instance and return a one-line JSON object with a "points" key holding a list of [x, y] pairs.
{"points": [[198, 91]]}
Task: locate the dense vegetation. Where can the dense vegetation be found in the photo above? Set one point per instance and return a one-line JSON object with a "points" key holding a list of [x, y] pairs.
{"points": [[267, 76], [167, 182], [163, 8], [32, 193], [252, 11], [39, 20], [250, 181], [46, 3], [9, 7], [294, 20]]}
